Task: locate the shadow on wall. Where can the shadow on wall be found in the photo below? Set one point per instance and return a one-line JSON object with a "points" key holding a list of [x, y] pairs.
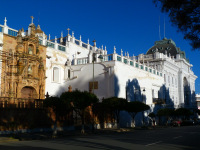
{"points": [[164, 101], [134, 93], [189, 98], [60, 90], [116, 86]]}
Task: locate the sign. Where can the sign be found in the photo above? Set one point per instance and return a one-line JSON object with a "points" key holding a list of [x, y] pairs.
{"points": [[95, 85]]}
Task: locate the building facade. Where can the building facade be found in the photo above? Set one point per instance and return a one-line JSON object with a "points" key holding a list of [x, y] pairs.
{"points": [[23, 63], [162, 75]]}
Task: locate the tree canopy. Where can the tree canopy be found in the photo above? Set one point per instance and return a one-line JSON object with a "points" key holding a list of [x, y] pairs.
{"points": [[79, 101], [135, 107], [116, 105], [185, 14], [183, 112], [165, 112], [57, 104]]}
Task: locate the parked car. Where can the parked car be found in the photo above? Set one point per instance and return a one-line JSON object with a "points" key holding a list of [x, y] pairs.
{"points": [[176, 123]]}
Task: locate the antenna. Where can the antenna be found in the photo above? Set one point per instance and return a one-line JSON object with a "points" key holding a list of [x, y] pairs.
{"points": [[38, 17], [164, 27], [159, 28]]}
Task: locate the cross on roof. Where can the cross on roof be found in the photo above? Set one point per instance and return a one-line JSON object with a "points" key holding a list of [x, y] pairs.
{"points": [[68, 30], [32, 19], [5, 22]]}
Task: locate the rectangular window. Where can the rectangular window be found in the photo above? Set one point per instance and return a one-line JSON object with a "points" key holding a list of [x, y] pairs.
{"points": [[69, 73], [61, 48], [161, 74], [154, 72], [146, 68], [50, 45], [157, 73], [136, 65], [131, 63], [12, 33], [55, 74], [125, 61], [110, 57], [141, 67], [150, 70], [84, 45], [152, 93], [77, 42], [79, 61], [119, 58], [40, 42]]}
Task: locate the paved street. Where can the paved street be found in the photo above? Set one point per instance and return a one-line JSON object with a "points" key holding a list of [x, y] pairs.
{"points": [[176, 138]]}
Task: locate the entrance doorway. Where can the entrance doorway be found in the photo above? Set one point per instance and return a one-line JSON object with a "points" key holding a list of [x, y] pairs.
{"points": [[28, 92]]}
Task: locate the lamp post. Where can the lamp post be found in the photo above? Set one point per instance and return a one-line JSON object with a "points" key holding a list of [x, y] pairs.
{"points": [[93, 60], [144, 101], [93, 57]]}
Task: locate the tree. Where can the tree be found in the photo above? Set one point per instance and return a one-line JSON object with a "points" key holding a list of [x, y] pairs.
{"points": [[165, 112], [59, 108], [134, 107], [185, 14], [152, 115], [101, 112], [116, 105], [183, 112], [79, 101]]}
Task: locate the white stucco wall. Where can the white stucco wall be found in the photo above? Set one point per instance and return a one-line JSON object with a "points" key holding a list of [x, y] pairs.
{"points": [[112, 79], [126, 74], [57, 59]]}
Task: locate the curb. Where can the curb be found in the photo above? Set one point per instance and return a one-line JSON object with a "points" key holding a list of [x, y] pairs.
{"points": [[7, 139]]}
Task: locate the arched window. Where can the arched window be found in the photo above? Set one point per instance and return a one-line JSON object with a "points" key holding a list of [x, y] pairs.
{"points": [[169, 80], [164, 78], [55, 74], [69, 73], [30, 49], [29, 69]]}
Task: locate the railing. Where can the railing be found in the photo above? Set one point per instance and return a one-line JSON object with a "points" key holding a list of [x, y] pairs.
{"points": [[82, 61], [6, 102], [123, 59], [12, 32], [150, 56]]}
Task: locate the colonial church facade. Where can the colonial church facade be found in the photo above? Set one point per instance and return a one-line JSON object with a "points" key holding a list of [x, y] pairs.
{"points": [[33, 64]]}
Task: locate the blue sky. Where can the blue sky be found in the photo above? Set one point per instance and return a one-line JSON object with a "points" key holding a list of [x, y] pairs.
{"points": [[131, 25]]}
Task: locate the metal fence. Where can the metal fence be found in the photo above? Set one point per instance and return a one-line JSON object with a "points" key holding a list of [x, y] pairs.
{"points": [[7, 102]]}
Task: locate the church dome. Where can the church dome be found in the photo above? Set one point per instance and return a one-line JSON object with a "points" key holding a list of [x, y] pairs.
{"points": [[38, 30], [166, 46]]}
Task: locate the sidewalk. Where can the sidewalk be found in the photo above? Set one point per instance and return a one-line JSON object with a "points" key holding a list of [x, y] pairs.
{"points": [[61, 134]]}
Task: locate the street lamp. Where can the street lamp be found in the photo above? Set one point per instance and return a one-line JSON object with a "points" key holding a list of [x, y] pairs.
{"points": [[94, 59], [144, 101]]}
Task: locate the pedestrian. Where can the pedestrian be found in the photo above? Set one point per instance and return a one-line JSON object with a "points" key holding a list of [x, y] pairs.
{"points": [[154, 122]]}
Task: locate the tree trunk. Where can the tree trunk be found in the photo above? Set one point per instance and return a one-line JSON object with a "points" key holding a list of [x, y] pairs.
{"points": [[118, 118], [83, 122], [55, 126], [133, 118]]}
